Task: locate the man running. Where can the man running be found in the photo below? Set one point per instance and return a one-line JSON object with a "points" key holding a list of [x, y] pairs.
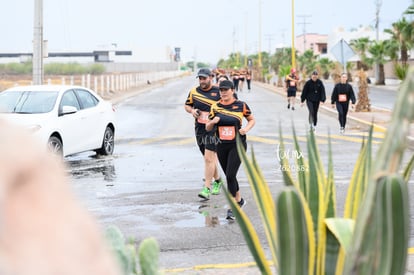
{"points": [[198, 103]]}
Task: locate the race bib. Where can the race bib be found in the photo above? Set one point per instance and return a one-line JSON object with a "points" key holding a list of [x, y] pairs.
{"points": [[203, 117], [292, 83], [342, 98], [227, 132]]}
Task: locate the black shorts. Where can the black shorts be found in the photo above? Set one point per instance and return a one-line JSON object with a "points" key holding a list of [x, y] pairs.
{"points": [[207, 141], [291, 91]]}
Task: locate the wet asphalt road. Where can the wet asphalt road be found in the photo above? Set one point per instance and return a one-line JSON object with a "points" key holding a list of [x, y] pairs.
{"points": [[149, 187]]}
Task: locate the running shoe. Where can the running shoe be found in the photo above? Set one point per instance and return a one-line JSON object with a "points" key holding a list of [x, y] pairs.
{"points": [[242, 203], [342, 130], [230, 215], [205, 193], [288, 106], [216, 187]]}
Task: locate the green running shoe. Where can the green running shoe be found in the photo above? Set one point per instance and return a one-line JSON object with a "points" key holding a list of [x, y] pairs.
{"points": [[216, 187], [205, 193]]}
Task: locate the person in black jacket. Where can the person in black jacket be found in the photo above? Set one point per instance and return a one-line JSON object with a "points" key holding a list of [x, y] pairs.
{"points": [[341, 95], [314, 94]]}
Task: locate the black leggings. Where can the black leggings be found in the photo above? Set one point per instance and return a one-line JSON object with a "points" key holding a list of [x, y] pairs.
{"points": [[342, 108], [313, 108], [236, 84], [230, 163]]}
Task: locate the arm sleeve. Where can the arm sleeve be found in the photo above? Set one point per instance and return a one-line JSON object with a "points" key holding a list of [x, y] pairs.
{"points": [[304, 92], [352, 94], [323, 93], [334, 95]]}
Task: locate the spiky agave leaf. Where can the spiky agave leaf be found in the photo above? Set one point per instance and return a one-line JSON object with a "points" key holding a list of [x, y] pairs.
{"points": [[302, 167], [284, 163], [295, 234], [250, 235], [262, 195], [329, 256], [408, 169]]}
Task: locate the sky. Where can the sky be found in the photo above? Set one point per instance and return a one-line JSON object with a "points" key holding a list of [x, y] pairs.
{"points": [[205, 31]]}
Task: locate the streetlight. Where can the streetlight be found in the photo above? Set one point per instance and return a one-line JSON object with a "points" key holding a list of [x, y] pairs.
{"points": [[260, 37], [38, 43]]}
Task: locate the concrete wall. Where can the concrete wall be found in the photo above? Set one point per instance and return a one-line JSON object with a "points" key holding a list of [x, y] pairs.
{"points": [[112, 67]]}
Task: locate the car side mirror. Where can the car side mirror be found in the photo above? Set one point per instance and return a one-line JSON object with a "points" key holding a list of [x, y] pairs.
{"points": [[66, 110]]}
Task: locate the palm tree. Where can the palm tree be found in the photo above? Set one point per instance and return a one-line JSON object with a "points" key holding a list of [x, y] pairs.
{"points": [[402, 32], [326, 66], [307, 62], [360, 46], [410, 9], [377, 51]]}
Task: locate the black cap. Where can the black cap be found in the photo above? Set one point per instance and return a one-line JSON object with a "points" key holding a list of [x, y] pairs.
{"points": [[315, 73], [205, 72], [226, 84]]}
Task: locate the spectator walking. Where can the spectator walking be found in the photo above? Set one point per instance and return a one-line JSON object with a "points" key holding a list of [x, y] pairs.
{"points": [[341, 95], [242, 77], [198, 103], [248, 80], [291, 86], [314, 94], [226, 117], [235, 74]]}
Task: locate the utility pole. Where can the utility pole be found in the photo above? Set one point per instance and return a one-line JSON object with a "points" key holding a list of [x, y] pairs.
{"points": [[38, 43], [293, 35], [269, 37], [377, 12], [260, 38], [245, 39], [304, 23], [236, 55]]}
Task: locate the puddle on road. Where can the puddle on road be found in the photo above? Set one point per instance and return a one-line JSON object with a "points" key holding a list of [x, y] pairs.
{"points": [[156, 217], [93, 166], [204, 215], [115, 207]]}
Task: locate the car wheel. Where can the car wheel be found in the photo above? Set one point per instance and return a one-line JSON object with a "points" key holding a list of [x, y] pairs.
{"points": [[107, 143], [55, 145]]}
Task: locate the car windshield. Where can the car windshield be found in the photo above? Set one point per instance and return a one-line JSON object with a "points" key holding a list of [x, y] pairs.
{"points": [[27, 102]]}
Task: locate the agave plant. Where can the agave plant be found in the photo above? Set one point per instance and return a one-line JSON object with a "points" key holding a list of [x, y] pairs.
{"points": [[303, 231], [126, 253]]}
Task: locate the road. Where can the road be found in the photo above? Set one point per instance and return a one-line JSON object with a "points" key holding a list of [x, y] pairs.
{"points": [[149, 187]]}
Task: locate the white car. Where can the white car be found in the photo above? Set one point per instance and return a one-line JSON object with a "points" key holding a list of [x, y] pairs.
{"points": [[67, 119]]}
